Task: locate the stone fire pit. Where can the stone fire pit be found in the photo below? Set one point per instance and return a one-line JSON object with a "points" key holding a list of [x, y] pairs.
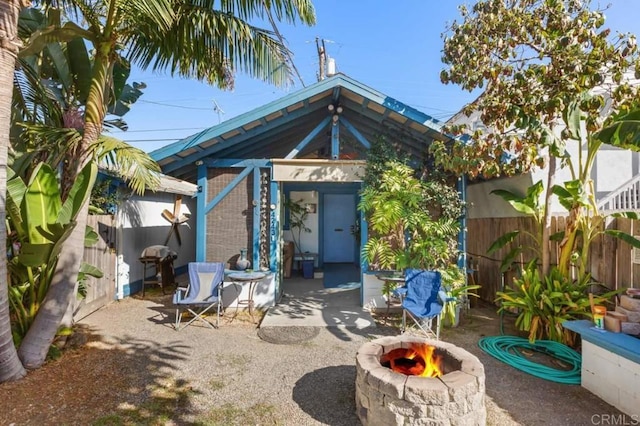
{"points": [[384, 397]]}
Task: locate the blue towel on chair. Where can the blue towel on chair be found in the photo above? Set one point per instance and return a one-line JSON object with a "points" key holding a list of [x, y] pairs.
{"points": [[422, 292]]}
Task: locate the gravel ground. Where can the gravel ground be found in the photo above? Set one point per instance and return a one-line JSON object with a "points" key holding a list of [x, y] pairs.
{"points": [[232, 376], [313, 382]]}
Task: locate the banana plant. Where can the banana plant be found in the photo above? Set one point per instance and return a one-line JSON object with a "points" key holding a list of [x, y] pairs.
{"points": [[38, 224], [528, 204]]}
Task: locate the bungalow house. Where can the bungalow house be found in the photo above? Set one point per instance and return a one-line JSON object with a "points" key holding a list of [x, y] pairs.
{"points": [[309, 146]]}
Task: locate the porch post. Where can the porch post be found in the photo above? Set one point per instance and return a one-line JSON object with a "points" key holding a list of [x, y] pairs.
{"points": [[335, 137], [256, 219], [462, 236], [201, 216], [275, 251]]}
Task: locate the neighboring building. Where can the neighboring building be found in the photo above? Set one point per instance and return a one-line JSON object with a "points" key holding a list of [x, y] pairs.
{"points": [[615, 173]]}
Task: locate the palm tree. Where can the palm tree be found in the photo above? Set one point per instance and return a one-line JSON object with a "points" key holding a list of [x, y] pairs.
{"points": [[10, 366], [190, 38]]}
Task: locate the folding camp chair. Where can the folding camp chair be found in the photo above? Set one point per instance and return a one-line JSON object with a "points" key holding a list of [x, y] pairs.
{"points": [[423, 300], [203, 293]]}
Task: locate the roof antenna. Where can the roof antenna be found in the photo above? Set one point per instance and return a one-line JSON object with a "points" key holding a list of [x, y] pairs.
{"points": [[217, 110]]}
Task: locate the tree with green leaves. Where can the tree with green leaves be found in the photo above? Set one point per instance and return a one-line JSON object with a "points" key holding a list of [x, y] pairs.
{"points": [[552, 76], [189, 38]]}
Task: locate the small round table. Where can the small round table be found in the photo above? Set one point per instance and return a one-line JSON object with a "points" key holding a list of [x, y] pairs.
{"points": [[251, 278], [397, 278]]}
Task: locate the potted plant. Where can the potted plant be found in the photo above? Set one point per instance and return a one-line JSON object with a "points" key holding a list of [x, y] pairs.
{"points": [[298, 214], [454, 285]]}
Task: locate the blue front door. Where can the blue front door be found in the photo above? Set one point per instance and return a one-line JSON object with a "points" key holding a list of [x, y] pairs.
{"points": [[339, 219]]}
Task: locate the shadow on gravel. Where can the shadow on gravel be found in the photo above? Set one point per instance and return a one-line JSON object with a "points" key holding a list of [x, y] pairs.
{"points": [[328, 395], [127, 381]]}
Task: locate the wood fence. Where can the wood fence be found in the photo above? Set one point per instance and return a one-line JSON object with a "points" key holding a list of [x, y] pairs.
{"points": [[100, 292], [611, 261]]}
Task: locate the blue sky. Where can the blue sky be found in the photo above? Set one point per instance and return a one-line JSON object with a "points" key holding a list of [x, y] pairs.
{"points": [[394, 49]]}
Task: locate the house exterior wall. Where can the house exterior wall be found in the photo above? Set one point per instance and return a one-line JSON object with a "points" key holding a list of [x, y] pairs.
{"points": [[613, 167], [230, 223], [481, 203], [139, 225]]}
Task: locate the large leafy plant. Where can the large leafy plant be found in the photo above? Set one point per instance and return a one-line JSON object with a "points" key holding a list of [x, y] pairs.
{"points": [[39, 224], [544, 303], [403, 232], [457, 292], [528, 204]]}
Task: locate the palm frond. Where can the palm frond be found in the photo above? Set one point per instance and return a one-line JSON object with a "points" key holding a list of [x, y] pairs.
{"points": [[208, 45], [132, 164], [52, 143], [289, 10]]}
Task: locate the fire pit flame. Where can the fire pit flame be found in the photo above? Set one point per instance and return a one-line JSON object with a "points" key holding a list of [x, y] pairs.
{"points": [[418, 360]]}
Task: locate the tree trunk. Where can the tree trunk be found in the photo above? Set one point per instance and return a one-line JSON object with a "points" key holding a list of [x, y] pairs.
{"points": [[10, 366], [35, 346], [546, 225]]}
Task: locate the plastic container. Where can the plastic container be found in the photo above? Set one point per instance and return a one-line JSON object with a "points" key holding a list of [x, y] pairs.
{"points": [[307, 268], [598, 316]]}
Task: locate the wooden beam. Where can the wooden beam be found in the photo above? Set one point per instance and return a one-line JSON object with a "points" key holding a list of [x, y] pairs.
{"points": [[335, 137], [308, 138], [355, 132]]}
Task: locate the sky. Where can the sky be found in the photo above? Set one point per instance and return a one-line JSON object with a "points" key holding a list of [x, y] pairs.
{"points": [[393, 47]]}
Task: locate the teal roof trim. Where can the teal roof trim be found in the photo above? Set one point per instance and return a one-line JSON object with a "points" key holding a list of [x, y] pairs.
{"points": [[335, 82]]}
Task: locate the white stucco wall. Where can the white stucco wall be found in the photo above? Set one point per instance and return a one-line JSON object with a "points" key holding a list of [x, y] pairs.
{"points": [[613, 167], [140, 225]]}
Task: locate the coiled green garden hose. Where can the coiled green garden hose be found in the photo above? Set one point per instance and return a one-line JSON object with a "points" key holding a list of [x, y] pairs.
{"points": [[506, 349]]}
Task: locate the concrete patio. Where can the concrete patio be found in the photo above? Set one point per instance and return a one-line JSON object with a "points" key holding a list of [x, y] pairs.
{"points": [[307, 303]]}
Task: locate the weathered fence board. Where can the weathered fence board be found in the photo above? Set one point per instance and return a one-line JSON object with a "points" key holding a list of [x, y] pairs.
{"points": [[100, 292], [611, 261]]}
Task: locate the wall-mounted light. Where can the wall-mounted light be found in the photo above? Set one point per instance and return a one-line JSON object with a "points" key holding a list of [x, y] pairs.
{"points": [[199, 163], [331, 107], [335, 118], [339, 110]]}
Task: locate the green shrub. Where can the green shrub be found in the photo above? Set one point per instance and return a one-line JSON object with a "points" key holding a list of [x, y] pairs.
{"points": [[543, 304]]}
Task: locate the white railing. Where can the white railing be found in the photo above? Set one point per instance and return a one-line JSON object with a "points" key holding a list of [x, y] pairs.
{"points": [[624, 198]]}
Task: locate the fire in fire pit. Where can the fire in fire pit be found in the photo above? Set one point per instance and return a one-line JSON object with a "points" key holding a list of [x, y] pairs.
{"points": [[405, 380], [417, 360]]}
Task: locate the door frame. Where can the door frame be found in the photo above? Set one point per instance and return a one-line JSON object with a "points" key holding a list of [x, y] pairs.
{"points": [[326, 188]]}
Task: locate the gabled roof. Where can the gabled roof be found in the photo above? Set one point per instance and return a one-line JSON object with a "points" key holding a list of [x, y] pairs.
{"points": [[275, 129]]}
